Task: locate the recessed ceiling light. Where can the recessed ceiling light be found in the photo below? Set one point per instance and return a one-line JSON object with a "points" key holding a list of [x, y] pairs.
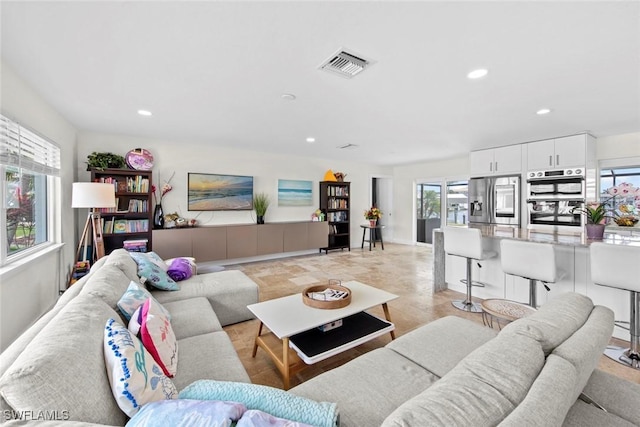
{"points": [[543, 111], [311, 140], [144, 112], [476, 74], [288, 97]]}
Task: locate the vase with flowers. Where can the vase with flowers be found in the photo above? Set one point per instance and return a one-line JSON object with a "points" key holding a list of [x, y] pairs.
{"points": [[373, 214], [158, 212]]}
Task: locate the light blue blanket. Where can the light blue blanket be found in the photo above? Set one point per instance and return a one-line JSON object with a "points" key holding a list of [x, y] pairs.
{"points": [[271, 400]]}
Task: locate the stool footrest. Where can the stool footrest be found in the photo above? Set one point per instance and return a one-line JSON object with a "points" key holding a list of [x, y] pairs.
{"points": [[470, 307], [474, 283], [623, 356]]}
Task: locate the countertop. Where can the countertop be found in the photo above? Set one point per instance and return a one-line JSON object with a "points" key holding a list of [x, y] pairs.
{"points": [[566, 238]]}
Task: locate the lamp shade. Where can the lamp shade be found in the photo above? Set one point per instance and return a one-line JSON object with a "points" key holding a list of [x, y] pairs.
{"points": [[93, 195]]}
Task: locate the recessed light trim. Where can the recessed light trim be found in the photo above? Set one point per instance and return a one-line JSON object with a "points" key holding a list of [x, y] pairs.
{"points": [[311, 140], [477, 74], [145, 113], [543, 111]]}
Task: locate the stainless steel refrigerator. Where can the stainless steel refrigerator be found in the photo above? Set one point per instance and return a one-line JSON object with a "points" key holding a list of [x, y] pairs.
{"points": [[494, 200]]}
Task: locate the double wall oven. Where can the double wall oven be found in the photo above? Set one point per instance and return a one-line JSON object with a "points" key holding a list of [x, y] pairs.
{"points": [[553, 195]]}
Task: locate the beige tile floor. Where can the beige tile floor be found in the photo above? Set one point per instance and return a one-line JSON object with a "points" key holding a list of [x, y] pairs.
{"points": [[400, 269]]}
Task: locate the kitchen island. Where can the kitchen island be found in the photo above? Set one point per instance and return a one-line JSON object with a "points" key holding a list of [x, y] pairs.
{"points": [[572, 261]]}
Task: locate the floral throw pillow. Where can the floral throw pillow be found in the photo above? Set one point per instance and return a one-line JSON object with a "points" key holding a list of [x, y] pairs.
{"points": [[134, 297], [134, 376], [158, 337]]}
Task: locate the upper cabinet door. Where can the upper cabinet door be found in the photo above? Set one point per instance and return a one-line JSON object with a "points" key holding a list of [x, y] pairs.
{"points": [[481, 162], [507, 159], [541, 155], [496, 161], [570, 151]]}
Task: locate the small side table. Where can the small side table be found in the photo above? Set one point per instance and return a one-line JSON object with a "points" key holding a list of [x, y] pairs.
{"points": [[503, 309], [374, 231]]}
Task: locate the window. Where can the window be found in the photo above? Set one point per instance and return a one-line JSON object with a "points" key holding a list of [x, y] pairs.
{"points": [[615, 178], [28, 165]]}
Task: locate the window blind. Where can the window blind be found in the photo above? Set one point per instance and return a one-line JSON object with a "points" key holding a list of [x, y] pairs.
{"points": [[21, 148]]}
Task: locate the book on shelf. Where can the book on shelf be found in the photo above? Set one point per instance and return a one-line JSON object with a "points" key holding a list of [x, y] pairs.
{"points": [[138, 184], [135, 245], [136, 205], [107, 228], [120, 226], [126, 226]]}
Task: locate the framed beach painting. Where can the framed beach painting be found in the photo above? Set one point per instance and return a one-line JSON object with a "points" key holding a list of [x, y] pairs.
{"points": [[214, 192], [293, 192]]}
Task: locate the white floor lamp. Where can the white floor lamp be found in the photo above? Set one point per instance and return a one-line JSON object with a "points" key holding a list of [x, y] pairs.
{"points": [[92, 195]]}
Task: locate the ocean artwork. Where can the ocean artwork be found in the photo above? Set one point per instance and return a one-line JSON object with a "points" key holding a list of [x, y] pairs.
{"points": [[293, 192], [212, 192]]}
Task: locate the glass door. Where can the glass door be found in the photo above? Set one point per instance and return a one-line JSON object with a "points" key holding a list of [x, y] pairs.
{"points": [[428, 206]]}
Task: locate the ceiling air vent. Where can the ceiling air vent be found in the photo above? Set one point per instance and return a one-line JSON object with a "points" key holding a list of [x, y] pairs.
{"points": [[345, 64]]}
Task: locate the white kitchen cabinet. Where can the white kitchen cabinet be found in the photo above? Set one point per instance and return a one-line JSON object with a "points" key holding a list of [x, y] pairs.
{"points": [[565, 152], [496, 161]]}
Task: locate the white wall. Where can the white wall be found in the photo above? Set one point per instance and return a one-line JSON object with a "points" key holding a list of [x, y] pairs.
{"points": [[618, 146], [183, 157], [27, 291], [404, 178]]}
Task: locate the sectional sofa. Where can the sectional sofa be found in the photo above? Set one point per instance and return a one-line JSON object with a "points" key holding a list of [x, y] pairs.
{"points": [[537, 371], [58, 364]]}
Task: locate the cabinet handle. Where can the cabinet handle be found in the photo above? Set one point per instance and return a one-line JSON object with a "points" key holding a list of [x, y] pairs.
{"points": [[550, 160], [496, 166], [557, 159], [490, 166]]}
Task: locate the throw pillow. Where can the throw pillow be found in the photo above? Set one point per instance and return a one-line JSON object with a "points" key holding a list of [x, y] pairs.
{"points": [[135, 295], [134, 376], [192, 262], [149, 256], [153, 275], [158, 337], [180, 269], [136, 322], [187, 413], [276, 402]]}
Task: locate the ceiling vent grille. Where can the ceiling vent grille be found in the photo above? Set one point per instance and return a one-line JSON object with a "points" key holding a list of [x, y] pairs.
{"points": [[345, 64]]}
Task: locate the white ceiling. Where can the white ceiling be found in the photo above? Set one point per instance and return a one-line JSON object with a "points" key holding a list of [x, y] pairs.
{"points": [[213, 72]]}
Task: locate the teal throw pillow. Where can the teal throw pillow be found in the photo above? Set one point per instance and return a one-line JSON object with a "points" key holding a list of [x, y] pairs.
{"points": [[151, 274]]}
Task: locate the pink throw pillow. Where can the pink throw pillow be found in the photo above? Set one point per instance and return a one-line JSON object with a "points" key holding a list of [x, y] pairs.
{"points": [[158, 337]]}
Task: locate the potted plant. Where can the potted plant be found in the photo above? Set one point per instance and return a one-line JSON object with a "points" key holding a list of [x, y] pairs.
{"points": [[373, 214], [103, 161], [260, 204], [596, 213]]}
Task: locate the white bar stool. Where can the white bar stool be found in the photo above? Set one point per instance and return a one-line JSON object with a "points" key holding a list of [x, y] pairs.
{"points": [[466, 243], [618, 267], [533, 261]]}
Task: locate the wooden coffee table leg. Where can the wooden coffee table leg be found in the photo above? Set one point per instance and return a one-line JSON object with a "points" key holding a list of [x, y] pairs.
{"points": [[255, 342], [285, 362], [386, 316]]}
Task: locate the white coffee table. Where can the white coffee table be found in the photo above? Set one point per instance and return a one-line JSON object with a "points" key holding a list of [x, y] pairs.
{"points": [[288, 317]]}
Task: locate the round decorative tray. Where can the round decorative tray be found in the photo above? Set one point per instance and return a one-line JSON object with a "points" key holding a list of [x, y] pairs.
{"points": [[139, 159], [320, 293]]}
